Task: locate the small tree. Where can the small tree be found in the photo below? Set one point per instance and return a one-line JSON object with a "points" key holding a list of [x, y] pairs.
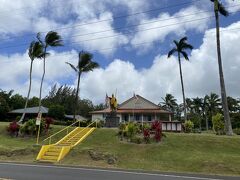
{"points": [[218, 124], [56, 112], [188, 126]]}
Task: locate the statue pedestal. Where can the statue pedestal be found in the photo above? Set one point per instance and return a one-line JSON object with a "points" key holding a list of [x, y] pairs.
{"points": [[112, 120]]}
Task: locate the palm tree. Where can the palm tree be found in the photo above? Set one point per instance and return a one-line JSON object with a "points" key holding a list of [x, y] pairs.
{"points": [[35, 51], [180, 48], [213, 103], [219, 8], [52, 39], [85, 64], [169, 102]]}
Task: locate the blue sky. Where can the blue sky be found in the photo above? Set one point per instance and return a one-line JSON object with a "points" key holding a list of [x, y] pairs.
{"points": [[128, 38]]}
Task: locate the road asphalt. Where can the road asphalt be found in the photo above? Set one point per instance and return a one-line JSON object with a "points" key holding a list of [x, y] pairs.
{"points": [[52, 172]]}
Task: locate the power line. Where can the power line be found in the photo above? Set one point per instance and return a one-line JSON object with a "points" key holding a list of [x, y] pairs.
{"points": [[104, 37], [111, 48], [110, 19], [125, 27], [23, 44]]}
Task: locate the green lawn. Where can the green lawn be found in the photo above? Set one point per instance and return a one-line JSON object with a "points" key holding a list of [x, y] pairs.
{"points": [[195, 153]]}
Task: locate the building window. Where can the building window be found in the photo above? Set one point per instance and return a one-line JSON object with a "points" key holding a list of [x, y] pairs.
{"points": [[137, 117], [125, 117]]}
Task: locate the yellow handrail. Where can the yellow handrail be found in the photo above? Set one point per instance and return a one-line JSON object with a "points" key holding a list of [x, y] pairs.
{"points": [[82, 130], [50, 137]]}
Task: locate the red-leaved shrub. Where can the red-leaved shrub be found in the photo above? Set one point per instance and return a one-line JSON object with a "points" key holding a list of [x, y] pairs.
{"points": [[146, 135], [157, 127], [13, 128]]}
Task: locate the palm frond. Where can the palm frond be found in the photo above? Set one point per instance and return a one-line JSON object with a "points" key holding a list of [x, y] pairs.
{"points": [[222, 10], [176, 43], [186, 46], [84, 59], [185, 55], [35, 50], [170, 53], [90, 66], [183, 40], [53, 39], [39, 38], [72, 66]]}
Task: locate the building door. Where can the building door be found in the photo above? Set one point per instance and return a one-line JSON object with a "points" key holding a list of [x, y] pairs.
{"points": [[149, 117]]}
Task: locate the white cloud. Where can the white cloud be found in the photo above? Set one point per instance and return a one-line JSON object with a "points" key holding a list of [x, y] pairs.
{"points": [[200, 74], [165, 24], [95, 41]]}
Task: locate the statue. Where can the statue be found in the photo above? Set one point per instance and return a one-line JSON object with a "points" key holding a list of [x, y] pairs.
{"points": [[113, 103], [112, 120]]}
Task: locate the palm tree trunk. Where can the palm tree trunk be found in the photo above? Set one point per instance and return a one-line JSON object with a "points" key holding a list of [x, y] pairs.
{"points": [[228, 125], [184, 102], [29, 90], [44, 70], [206, 119], [76, 97]]}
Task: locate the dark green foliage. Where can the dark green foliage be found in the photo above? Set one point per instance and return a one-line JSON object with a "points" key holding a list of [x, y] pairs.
{"points": [[17, 101], [56, 112], [33, 102], [237, 131], [235, 118], [4, 108], [218, 124]]}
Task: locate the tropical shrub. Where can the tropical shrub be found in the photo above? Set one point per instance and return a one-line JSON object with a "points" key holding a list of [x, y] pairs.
{"points": [[188, 126], [218, 124], [30, 127], [122, 131], [13, 128], [132, 130]]}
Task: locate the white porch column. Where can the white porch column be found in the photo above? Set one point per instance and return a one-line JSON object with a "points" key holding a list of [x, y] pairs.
{"points": [[129, 118], [142, 121], [170, 117]]}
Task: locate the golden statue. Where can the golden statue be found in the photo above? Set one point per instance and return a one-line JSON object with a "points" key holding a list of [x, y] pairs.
{"points": [[113, 103]]}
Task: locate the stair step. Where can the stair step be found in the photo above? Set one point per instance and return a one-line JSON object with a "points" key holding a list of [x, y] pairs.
{"points": [[50, 153], [55, 150], [49, 157]]}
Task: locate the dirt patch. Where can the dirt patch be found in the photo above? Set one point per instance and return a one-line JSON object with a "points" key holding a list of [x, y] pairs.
{"points": [[98, 156]]}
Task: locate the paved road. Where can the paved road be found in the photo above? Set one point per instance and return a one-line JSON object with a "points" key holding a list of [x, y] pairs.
{"points": [[45, 172]]}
